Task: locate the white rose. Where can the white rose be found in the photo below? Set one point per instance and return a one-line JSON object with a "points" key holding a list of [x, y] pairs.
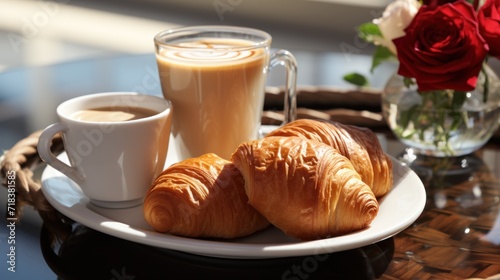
{"points": [[396, 17]]}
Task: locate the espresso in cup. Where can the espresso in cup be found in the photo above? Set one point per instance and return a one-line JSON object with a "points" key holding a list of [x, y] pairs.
{"points": [[115, 143], [215, 77], [112, 114]]}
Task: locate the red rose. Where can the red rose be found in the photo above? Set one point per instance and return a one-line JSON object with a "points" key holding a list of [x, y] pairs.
{"points": [[441, 2], [442, 48], [489, 25]]}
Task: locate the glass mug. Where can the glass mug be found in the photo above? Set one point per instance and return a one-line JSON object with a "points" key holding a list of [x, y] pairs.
{"points": [[215, 77]]}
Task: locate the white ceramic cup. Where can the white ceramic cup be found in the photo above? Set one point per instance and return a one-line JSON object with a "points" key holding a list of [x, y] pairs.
{"points": [[114, 163]]}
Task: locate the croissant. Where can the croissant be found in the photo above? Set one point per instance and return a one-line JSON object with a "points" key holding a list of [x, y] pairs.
{"points": [[201, 197], [359, 145], [305, 188]]}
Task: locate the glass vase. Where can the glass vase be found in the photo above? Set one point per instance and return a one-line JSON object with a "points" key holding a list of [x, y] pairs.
{"points": [[446, 122]]}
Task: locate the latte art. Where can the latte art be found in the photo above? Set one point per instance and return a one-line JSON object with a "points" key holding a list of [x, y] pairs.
{"points": [[204, 51], [212, 55]]}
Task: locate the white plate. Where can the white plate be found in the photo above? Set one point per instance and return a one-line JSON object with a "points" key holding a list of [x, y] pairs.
{"points": [[398, 209]]}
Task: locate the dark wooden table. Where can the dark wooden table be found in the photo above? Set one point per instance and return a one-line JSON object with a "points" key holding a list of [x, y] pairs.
{"points": [[456, 237]]}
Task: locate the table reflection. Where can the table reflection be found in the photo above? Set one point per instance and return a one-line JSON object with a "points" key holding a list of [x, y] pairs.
{"points": [[436, 172], [83, 253], [458, 233]]}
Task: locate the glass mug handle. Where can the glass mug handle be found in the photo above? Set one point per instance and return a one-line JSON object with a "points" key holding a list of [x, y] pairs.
{"points": [[286, 59], [43, 147]]}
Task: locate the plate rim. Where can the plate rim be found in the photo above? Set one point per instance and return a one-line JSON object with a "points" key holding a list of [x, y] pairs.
{"points": [[221, 249]]}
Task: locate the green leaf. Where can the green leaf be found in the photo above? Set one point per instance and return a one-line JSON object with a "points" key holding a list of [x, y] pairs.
{"points": [[408, 82], [368, 30], [470, 2], [458, 99], [380, 55], [407, 116], [356, 79], [486, 84], [458, 118]]}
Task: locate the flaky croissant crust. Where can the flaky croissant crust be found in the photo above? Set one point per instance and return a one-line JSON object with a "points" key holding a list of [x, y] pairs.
{"points": [[360, 145], [305, 188], [201, 197]]}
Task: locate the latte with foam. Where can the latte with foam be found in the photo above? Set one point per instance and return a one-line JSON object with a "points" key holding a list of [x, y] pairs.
{"points": [[217, 93]]}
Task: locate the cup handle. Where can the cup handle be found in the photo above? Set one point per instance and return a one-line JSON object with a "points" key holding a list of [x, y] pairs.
{"points": [[44, 143], [286, 59]]}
